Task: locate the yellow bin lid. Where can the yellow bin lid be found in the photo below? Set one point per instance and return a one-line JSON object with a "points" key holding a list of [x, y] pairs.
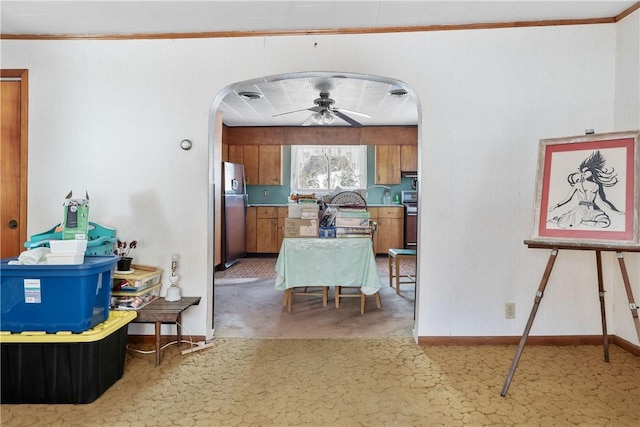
{"points": [[115, 321]]}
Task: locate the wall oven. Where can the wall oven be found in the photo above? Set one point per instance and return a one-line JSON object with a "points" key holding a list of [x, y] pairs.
{"points": [[410, 202]]}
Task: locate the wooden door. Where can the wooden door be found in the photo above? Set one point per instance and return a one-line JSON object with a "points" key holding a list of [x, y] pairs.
{"points": [[13, 152]]}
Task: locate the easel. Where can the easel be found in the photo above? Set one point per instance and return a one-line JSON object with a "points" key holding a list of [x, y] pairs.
{"points": [[543, 283]]}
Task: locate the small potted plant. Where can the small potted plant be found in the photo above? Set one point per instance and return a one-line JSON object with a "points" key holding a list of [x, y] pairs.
{"points": [[123, 249]]}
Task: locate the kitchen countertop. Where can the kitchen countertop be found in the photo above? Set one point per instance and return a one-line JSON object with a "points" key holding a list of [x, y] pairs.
{"points": [[284, 205]]}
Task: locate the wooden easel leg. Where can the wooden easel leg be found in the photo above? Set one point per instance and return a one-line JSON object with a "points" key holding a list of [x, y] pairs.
{"points": [[627, 286], [534, 309], [603, 313]]}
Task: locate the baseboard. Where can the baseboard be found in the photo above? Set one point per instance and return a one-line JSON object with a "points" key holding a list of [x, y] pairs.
{"points": [[560, 340], [532, 340]]}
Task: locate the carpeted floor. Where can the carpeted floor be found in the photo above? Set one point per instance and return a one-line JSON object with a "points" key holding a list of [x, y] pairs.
{"points": [[247, 305], [358, 382], [327, 382]]}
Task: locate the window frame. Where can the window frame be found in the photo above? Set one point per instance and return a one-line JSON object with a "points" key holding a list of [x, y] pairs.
{"points": [[361, 159]]}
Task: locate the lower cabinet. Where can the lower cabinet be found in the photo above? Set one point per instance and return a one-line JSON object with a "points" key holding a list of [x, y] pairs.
{"points": [[390, 231], [265, 229], [251, 230]]}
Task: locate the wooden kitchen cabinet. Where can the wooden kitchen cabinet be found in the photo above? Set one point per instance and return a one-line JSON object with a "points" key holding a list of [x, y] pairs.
{"points": [[387, 164], [270, 165], [409, 158], [262, 163], [251, 163], [267, 229], [235, 154], [251, 230], [390, 231], [247, 155], [283, 213]]}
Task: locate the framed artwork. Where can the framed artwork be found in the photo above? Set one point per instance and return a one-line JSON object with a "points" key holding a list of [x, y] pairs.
{"points": [[587, 190]]}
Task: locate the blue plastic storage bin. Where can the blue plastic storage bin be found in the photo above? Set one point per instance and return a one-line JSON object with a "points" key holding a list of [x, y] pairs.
{"points": [[102, 240], [54, 298]]}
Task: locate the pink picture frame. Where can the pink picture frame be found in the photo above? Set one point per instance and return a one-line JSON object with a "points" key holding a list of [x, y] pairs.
{"points": [[587, 190]]}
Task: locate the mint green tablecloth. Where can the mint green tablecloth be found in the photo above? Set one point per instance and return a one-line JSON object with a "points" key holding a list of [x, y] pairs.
{"points": [[327, 262]]}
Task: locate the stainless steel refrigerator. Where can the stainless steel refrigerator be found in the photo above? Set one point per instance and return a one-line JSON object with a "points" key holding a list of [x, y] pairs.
{"points": [[235, 208]]}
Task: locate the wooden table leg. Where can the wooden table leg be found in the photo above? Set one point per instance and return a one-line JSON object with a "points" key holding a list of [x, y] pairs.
{"points": [[179, 328], [158, 330], [397, 275]]}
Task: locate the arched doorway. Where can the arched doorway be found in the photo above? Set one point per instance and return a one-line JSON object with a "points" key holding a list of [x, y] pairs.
{"points": [[395, 88]]}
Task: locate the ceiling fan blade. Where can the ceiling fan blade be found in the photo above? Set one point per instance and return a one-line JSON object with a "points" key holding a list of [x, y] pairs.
{"points": [[294, 111], [346, 118], [344, 110]]}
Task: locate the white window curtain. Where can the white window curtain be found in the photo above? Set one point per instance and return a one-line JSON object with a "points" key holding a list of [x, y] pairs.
{"points": [[322, 169]]}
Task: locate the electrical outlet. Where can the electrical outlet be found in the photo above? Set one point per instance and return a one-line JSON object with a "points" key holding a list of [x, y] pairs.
{"points": [[510, 310]]}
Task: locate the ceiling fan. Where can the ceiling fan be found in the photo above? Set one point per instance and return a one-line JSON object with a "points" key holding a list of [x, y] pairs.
{"points": [[324, 113]]}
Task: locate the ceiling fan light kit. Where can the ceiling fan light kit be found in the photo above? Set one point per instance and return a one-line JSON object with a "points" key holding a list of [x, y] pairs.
{"points": [[323, 117]]}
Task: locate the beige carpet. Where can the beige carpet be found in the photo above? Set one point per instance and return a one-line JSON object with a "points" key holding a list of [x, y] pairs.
{"points": [[247, 305], [251, 308], [358, 382]]}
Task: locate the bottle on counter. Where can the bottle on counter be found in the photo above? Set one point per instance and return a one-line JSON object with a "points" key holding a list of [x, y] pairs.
{"points": [[386, 198]]}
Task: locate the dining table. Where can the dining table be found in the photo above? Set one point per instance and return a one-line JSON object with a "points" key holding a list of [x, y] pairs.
{"points": [[326, 262]]}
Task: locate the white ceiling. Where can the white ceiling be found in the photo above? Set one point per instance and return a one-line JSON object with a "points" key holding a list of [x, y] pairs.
{"points": [[370, 96]]}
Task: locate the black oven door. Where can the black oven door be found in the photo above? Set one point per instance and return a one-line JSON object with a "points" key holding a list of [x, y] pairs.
{"points": [[410, 226]]}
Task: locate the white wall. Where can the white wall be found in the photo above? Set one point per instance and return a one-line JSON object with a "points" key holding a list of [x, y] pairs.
{"points": [[627, 116], [107, 116]]}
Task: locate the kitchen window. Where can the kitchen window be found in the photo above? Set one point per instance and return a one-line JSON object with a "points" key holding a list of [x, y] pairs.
{"points": [[321, 169]]}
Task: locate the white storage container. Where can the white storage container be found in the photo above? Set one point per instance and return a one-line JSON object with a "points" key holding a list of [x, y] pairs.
{"points": [[68, 246], [65, 259]]}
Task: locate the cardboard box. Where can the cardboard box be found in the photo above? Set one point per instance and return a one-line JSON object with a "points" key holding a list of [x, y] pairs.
{"points": [[75, 223], [294, 227], [304, 210]]}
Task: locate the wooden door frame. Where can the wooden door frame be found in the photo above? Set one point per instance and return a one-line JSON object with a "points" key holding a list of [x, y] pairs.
{"points": [[22, 75]]}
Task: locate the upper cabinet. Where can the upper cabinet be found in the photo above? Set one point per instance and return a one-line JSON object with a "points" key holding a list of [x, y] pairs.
{"points": [[388, 164], [259, 149], [409, 158], [270, 165], [247, 155]]}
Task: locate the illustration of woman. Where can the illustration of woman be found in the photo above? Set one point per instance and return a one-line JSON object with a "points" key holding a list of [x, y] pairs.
{"points": [[587, 184]]}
